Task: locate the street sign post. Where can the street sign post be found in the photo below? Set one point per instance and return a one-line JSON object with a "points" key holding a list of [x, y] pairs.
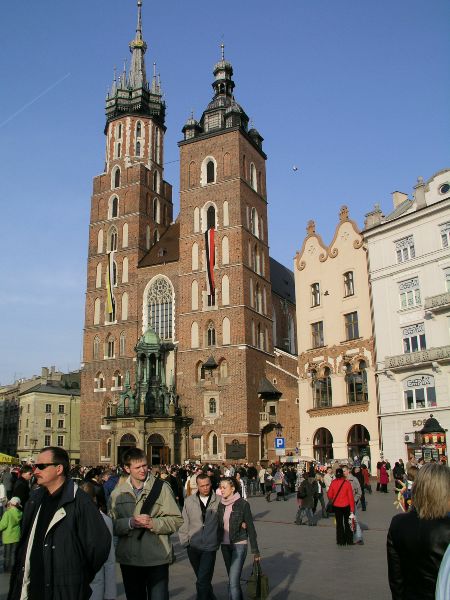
{"points": [[280, 446]]}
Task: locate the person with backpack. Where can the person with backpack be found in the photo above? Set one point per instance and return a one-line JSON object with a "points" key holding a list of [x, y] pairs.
{"points": [[144, 513]]}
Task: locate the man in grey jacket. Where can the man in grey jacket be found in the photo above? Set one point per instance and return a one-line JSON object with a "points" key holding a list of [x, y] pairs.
{"points": [[199, 534]]}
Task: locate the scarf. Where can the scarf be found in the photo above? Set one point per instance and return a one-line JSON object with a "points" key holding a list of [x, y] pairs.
{"points": [[228, 503]]}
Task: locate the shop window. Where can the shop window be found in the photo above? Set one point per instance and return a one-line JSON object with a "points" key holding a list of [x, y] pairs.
{"points": [[419, 392], [414, 338]]}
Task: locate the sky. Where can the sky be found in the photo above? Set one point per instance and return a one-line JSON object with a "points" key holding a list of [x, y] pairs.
{"points": [[353, 93]]}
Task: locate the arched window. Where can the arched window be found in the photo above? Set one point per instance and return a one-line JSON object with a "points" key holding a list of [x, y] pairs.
{"points": [[196, 219], [358, 442], [356, 382], [98, 276], [125, 270], [155, 181], [210, 172], [226, 218], [225, 251], [210, 334], [194, 295], [125, 235], [258, 298], [147, 237], [323, 445], [255, 222], [117, 379], [113, 207], [96, 348], [225, 290], [156, 210], [160, 307], [253, 177], [138, 129], [252, 294], [99, 381], [128, 440], [100, 242], [322, 390], [138, 148], [253, 334], [155, 236], [124, 306], [194, 335], [97, 311], [122, 344], [211, 217], [110, 347], [223, 369], [116, 177], [261, 228], [226, 165], [264, 301], [212, 406], [260, 337], [194, 253], [226, 331], [213, 444], [108, 448], [112, 239], [199, 371]]}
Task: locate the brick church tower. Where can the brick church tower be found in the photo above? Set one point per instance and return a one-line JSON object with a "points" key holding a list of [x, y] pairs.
{"points": [[189, 349], [227, 329], [130, 210]]}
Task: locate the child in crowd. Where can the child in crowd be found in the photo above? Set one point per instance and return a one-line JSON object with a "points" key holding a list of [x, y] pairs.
{"points": [[10, 528]]}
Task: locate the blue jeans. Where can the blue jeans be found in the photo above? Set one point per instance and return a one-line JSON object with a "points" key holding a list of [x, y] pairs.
{"points": [[203, 562], [146, 583], [234, 557]]}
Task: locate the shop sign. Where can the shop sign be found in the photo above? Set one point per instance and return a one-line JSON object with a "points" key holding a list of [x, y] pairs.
{"points": [[409, 284], [419, 381], [413, 330]]}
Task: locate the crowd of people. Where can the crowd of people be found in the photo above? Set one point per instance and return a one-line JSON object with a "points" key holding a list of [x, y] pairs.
{"points": [[64, 528]]}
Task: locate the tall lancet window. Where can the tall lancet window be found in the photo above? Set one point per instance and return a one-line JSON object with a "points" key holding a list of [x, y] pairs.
{"points": [[160, 308]]}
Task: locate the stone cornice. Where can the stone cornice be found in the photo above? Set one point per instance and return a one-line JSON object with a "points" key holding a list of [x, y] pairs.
{"points": [[338, 410]]}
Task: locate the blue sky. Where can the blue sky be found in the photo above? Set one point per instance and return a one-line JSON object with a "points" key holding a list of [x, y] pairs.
{"points": [[355, 93]]}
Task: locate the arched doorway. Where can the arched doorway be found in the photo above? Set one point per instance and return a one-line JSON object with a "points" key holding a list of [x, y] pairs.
{"points": [[323, 445], [127, 441], [358, 442], [157, 451]]}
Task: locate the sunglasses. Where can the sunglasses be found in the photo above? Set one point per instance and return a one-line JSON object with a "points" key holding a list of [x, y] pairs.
{"points": [[42, 466]]}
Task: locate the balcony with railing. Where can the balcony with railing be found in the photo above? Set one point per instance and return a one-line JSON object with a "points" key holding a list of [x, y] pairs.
{"points": [[438, 302], [266, 418], [403, 361]]}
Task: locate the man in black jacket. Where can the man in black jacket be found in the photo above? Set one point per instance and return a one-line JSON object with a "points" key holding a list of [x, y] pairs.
{"points": [[64, 538]]}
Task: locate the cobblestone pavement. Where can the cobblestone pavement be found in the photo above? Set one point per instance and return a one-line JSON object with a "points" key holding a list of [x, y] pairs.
{"points": [[302, 563]]}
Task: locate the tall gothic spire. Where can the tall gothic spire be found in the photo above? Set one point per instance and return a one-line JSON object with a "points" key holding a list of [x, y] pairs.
{"points": [[138, 47], [131, 93]]}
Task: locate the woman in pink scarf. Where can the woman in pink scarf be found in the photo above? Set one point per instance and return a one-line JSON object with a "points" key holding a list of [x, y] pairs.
{"points": [[236, 530]]}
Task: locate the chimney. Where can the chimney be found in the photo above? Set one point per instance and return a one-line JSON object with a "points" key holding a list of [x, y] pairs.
{"points": [[374, 217], [419, 193], [44, 374], [398, 198]]}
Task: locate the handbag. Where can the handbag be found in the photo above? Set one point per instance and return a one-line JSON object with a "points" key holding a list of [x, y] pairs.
{"points": [[258, 583], [330, 507]]}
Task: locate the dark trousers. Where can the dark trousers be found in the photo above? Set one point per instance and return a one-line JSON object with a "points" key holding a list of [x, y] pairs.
{"points": [[344, 533], [146, 583], [319, 498], [383, 488], [363, 500], [10, 551], [203, 562]]}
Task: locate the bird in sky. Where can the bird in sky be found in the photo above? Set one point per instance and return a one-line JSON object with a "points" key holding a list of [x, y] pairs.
{"points": [[295, 168]]}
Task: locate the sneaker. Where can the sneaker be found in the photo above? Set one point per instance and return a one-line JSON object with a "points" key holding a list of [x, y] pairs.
{"points": [[359, 543]]}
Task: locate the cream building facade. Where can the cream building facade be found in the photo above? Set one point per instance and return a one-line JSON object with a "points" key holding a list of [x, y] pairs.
{"points": [[409, 267], [49, 415], [337, 392]]}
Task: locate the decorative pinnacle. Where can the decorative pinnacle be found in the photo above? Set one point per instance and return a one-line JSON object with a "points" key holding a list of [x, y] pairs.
{"points": [[222, 49], [139, 23]]}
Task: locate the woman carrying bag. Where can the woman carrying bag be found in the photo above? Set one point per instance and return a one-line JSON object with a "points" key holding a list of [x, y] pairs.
{"points": [[236, 530], [340, 494]]}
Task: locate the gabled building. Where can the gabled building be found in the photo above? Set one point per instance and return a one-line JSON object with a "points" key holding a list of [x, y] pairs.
{"points": [[336, 357], [180, 313]]}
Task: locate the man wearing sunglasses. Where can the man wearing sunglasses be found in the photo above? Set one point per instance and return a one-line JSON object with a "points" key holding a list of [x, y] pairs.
{"points": [[64, 539]]}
